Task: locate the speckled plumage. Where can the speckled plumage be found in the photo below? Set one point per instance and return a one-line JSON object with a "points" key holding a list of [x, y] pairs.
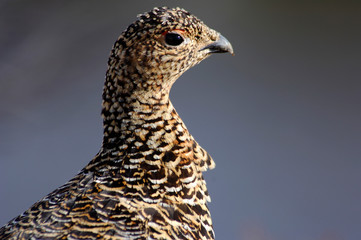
{"points": [[146, 181]]}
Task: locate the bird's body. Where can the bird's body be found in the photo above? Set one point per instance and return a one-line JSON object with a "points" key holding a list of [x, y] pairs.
{"points": [[146, 181]]}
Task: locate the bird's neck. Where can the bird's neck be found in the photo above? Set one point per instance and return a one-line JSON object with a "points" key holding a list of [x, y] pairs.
{"points": [[132, 106], [128, 124], [140, 122]]}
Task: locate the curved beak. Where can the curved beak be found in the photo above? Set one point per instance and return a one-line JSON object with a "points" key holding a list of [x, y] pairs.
{"points": [[222, 45]]}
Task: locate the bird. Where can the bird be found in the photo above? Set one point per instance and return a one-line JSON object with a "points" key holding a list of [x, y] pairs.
{"points": [[146, 181]]}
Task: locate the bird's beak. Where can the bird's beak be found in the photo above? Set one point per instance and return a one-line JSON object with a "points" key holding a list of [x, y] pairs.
{"points": [[222, 45]]}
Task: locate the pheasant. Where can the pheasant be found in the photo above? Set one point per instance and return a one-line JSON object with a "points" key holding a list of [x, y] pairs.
{"points": [[146, 181]]}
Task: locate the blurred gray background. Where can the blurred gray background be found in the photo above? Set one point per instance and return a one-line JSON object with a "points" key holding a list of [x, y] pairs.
{"points": [[281, 118]]}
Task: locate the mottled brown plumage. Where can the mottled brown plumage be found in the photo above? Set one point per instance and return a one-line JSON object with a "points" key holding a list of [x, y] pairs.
{"points": [[146, 181]]}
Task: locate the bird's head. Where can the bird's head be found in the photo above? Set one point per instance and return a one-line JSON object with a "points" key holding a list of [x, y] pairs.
{"points": [[161, 45]]}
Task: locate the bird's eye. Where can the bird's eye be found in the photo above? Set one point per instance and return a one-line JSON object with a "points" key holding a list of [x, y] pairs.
{"points": [[173, 39]]}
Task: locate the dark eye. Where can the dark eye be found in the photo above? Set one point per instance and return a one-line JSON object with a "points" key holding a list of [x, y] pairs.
{"points": [[173, 39]]}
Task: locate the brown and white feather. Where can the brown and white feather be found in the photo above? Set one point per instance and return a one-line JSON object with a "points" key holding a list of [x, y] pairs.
{"points": [[146, 181]]}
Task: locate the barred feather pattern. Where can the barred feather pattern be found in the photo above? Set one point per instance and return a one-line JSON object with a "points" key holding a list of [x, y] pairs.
{"points": [[146, 181]]}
